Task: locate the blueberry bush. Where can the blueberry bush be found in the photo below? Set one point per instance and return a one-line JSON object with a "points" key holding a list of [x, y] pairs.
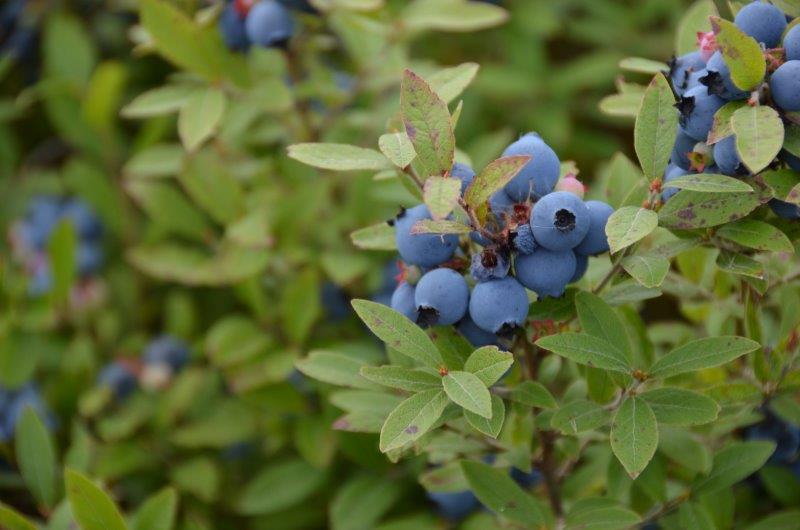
{"points": [[296, 264]]}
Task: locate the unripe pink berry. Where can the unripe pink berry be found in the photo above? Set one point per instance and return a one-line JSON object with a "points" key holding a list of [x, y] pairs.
{"points": [[571, 184], [707, 43]]}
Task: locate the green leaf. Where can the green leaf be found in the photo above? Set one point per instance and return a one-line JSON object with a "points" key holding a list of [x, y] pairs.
{"points": [[441, 195], [493, 177], [785, 184], [360, 502], [157, 161], [533, 394], [579, 416], [381, 236], [63, 250], [634, 435], [759, 136], [213, 188], [628, 225], [92, 507], [198, 477], [742, 54], [602, 517], [702, 353], [13, 520], [36, 456], [732, 464], [497, 491], [740, 264], [709, 183], [587, 349], [427, 123], [791, 140], [678, 406], [338, 157], [694, 21], [721, 127], [625, 105], [489, 364], [398, 332], [412, 418], [696, 209], [656, 127], [785, 520], [199, 117], [279, 486], [335, 368], [397, 148], [169, 208], [468, 391], [757, 235], [423, 15], [693, 515], [402, 378], [599, 319], [426, 226], [643, 66], [449, 83], [489, 426], [67, 49], [649, 271], [166, 99], [158, 512], [681, 447]]}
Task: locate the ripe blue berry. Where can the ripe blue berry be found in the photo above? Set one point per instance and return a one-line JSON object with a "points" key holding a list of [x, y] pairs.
{"points": [[762, 21], [697, 108], [489, 264], [684, 145], [167, 350], [785, 435], [670, 174], [475, 335], [727, 158], [785, 86], [464, 173], [792, 161], [539, 176], [403, 301], [269, 24], [581, 265], [14, 403], [441, 297], [232, 28], [526, 480], [87, 224], [596, 242], [718, 80], [546, 272], [425, 250], [791, 44], [454, 506], [523, 241], [499, 306], [560, 221], [682, 68], [118, 378], [785, 210]]}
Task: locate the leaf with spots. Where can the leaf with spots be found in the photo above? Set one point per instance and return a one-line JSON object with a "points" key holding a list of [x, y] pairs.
{"points": [[397, 148], [700, 354], [784, 183], [426, 226], [741, 53], [721, 127], [398, 332], [428, 126], [740, 264], [634, 435], [628, 225], [497, 491], [494, 176], [656, 127], [441, 195], [688, 210], [759, 136], [649, 271], [412, 418], [756, 234], [711, 183]]}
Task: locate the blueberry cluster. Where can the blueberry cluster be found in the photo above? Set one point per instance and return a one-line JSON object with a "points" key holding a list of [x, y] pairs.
{"points": [[459, 504], [161, 360], [30, 236], [702, 81], [786, 437], [14, 402], [538, 236], [261, 22]]}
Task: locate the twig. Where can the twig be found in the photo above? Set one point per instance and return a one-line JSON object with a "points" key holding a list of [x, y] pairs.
{"points": [[549, 473]]}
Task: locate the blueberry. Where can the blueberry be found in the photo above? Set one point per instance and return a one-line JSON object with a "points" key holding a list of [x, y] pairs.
{"points": [[90, 258], [596, 242], [526, 480], [546, 272], [785, 86], [43, 214], [425, 250], [762, 21], [581, 265], [785, 435], [523, 240], [718, 80], [119, 378], [791, 44], [684, 145], [490, 264], [671, 174], [727, 159], [335, 301], [87, 225], [499, 306], [785, 210], [539, 176], [791, 160], [476, 336], [232, 28], [16, 403], [456, 505], [681, 69], [403, 301], [464, 173], [560, 221], [697, 108], [441, 297], [269, 24], [168, 350]]}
